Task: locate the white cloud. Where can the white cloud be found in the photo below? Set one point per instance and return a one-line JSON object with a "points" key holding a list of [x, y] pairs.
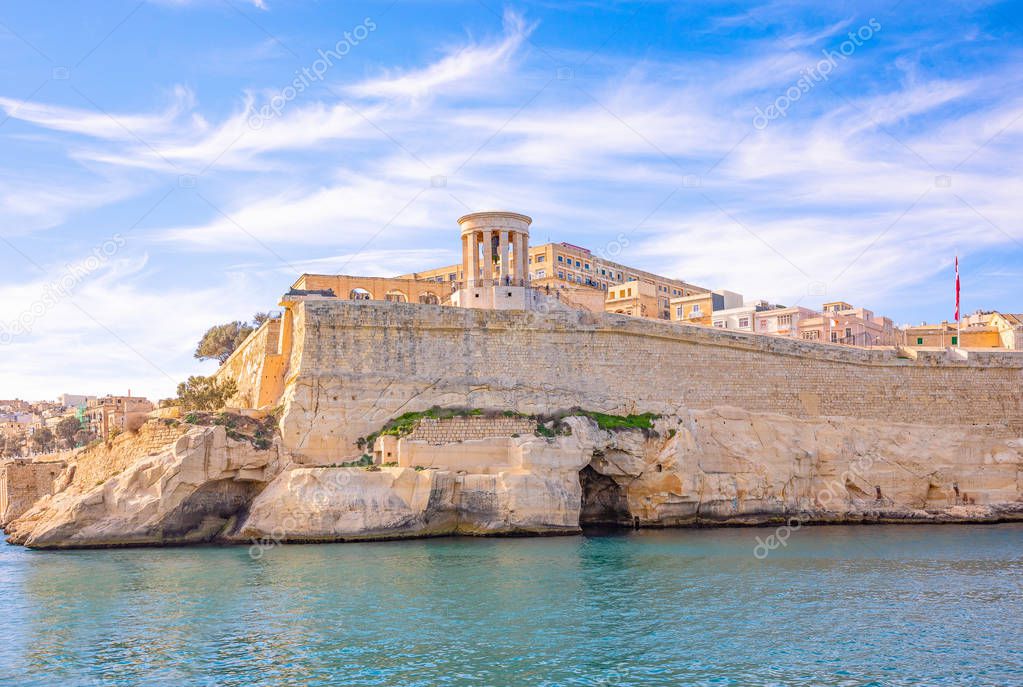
{"points": [[465, 67], [823, 195]]}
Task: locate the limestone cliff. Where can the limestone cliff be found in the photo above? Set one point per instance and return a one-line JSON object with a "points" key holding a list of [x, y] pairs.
{"points": [[716, 466], [191, 491]]}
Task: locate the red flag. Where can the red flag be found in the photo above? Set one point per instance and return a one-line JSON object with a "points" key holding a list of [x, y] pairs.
{"points": [[957, 288]]}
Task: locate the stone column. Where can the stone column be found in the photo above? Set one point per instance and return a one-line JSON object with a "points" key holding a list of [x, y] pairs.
{"points": [[503, 245], [472, 275], [488, 255], [464, 277], [522, 258]]}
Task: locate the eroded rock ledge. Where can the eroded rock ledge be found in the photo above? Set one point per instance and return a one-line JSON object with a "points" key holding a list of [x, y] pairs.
{"points": [[722, 466]]}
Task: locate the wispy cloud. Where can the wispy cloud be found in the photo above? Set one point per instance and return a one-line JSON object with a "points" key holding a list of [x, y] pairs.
{"points": [[471, 66]]}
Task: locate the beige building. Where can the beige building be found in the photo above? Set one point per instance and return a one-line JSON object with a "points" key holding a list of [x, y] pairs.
{"points": [[570, 271], [979, 330], [782, 321], [635, 298], [109, 415], [842, 323], [699, 308]]}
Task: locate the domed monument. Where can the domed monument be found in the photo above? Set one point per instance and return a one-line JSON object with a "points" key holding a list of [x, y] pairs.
{"points": [[495, 249]]}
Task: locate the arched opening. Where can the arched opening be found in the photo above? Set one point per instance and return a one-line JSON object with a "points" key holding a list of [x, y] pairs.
{"points": [[395, 296], [429, 298], [358, 294], [603, 500]]}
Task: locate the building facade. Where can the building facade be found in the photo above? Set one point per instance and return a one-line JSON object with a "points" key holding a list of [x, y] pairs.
{"points": [[562, 268], [110, 415], [782, 321]]}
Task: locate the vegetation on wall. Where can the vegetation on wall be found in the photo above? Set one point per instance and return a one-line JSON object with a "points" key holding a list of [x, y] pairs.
{"points": [[548, 426], [258, 432], [405, 424]]}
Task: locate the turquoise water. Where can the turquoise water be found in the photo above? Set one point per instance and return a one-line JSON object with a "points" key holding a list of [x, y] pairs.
{"points": [[901, 605]]}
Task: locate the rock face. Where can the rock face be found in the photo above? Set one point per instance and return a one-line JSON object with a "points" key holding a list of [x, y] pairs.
{"points": [[730, 466], [542, 494], [190, 492], [717, 466]]}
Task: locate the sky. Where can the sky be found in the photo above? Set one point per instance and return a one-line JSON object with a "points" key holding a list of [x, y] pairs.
{"points": [[167, 165]]}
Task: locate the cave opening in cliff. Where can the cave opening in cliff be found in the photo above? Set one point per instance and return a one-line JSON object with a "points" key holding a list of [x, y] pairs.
{"points": [[603, 501]]}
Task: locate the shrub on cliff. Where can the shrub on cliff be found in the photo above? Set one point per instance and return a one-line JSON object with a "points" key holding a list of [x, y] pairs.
{"points": [[220, 341], [205, 393]]}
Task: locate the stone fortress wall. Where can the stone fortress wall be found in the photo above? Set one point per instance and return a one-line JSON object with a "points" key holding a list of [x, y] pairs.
{"points": [[22, 482], [451, 430], [351, 366]]}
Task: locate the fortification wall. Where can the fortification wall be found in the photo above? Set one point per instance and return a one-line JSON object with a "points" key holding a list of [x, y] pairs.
{"points": [[450, 430], [99, 463], [257, 367], [354, 365], [22, 482]]}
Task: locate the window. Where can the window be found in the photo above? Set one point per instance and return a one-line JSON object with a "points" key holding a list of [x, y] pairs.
{"points": [[561, 275], [784, 320], [812, 335], [451, 277], [587, 265], [919, 341], [540, 274], [720, 324], [630, 292], [848, 332], [696, 308], [561, 259], [955, 340], [834, 337], [763, 324], [540, 258], [743, 323], [678, 312], [578, 264]]}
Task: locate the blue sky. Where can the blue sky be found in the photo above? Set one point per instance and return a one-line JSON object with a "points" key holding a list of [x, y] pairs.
{"points": [[171, 164]]}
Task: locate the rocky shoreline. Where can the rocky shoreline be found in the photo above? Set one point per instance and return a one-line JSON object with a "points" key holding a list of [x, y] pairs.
{"points": [[723, 467]]}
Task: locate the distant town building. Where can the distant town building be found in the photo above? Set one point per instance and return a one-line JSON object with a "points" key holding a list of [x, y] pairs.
{"points": [[841, 323], [781, 321], [114, 414], [636, 298], [979, 330], [74, 400], [699, 308]]}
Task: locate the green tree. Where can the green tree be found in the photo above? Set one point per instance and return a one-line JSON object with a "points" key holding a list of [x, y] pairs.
{"points": [[220, 341], [205, 393], [66, 430], [43, 440]]}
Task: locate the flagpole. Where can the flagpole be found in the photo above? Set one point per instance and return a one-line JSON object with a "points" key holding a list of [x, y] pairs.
{"points": [[959, 322]]}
